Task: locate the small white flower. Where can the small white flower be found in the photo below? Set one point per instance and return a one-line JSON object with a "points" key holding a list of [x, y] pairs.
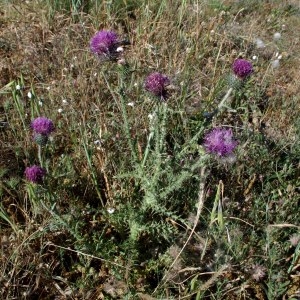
{"points": [[275, 63], [65, 101], [130, 104], [151, 116], [29, 95], [97, 142], [40, 103], [121, 61], [48, 88], [254, 57], [279, 56], [18, 87], [277, 36], [120, 49], [110, 210], [95, 74], [60, 110], [260, 43]]}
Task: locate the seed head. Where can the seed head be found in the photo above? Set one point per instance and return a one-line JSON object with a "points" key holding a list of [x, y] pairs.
{"points": [[242, 68], [295, 240], [277, 36], [260, 43], [42, 125], [104, 44], [156, 84], [220, 141], [258, 272], [35, 174]]}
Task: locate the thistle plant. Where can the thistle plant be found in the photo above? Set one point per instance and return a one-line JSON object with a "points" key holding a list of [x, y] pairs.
{"points": [[154, 172], [42, 127], [241, 71]]}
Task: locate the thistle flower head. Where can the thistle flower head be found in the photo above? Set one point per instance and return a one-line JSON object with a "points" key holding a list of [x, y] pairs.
{"points": [[242, 68], [35, 174], [156, 84], [104, 44], [220, 141], [40, 139], [42, 125]]}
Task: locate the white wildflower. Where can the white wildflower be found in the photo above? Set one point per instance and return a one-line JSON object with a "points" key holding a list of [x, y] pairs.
{"points": [[97, 142], [275, 63], [120, 49], [110, 210], [151, 116], [260, 43], [277, 36], [29, 95]]}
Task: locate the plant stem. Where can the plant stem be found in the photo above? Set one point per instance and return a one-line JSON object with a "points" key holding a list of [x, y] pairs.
{"points": [[40, 155]]}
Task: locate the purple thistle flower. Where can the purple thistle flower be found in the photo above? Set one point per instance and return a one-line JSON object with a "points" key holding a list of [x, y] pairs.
{"points": [[104, 44], [156, 84], [242, 68], [35, 174], [42, 125], [220, 141]]}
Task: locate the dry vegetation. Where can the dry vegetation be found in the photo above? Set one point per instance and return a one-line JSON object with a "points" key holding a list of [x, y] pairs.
{"points": [[59, 240]]}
